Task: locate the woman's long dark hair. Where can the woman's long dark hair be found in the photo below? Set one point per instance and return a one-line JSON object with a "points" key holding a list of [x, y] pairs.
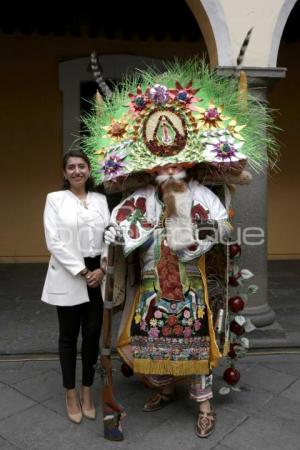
{"points": [[90, 184]]}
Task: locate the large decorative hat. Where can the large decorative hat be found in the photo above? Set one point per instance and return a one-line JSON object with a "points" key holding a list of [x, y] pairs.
{"points": [[187, 115]]}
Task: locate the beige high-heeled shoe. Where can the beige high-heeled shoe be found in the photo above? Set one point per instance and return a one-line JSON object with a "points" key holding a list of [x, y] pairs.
{"points": [[73, 417], [88, 413]]}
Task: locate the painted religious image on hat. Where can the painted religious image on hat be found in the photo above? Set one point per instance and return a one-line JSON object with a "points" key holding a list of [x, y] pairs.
{"points": [[188, 115]]}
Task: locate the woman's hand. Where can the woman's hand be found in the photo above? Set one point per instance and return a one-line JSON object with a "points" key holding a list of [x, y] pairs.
{"points": [[94, 278]]}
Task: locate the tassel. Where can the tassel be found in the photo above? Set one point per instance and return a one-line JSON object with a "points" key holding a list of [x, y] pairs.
{"points": [[226, 348], [99, 102], [243, 89]]}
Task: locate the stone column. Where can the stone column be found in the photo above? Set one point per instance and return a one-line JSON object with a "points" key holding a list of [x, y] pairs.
{"points": [[250, 203]]}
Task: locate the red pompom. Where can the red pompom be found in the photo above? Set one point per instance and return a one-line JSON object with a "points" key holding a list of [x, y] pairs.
{"points": [[231, 352], [236, 328], [236, 304], [234, 250], [233, 280], [126, 370], [231, 376]]}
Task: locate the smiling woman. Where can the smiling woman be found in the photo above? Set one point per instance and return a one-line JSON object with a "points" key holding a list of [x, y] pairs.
{"points": [[74, 221], [77, 173]]}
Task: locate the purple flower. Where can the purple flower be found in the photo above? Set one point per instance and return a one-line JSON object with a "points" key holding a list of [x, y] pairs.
{"points": [[158, 314], [113, 165], [187, 332], [159, 94], [223, 149], [143, 325], [154, 332], [197, 325]]}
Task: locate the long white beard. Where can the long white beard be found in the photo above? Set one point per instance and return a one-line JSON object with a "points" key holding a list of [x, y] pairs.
{"points": [[178, 222], [179, 228]]}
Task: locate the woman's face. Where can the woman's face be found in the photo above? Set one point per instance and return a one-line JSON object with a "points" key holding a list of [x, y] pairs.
{"points": [[76, 172]]}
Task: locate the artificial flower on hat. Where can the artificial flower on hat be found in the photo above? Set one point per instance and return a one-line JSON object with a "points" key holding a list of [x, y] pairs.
{"points": [[187, 115]]}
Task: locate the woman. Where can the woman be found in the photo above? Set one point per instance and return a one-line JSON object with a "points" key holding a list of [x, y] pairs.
{"points": [[74, 221]]}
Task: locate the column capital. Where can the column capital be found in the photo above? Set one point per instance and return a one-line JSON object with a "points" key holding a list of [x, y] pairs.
{"points": [[255, 72], [260, 79], [263, 76]]}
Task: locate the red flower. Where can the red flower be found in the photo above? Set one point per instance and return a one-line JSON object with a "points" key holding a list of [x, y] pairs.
{"points": [[172, 320], [139, 101], [126, 210], [199, 212], [178, 330], [134, 231], [185, 94], [146, 224], [150, 312], [141, 204], [166, 330]]}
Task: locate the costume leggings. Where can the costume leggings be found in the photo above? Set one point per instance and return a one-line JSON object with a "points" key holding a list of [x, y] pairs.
{"points": [[88, 316], [200, 385]]}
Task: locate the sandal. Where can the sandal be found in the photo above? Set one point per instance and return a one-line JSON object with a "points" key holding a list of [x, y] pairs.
{"points": [[205, 424], [158, 401]]}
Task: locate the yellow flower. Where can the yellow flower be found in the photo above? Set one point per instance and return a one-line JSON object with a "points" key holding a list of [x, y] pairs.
{"points": [[153, 322], [235, 129], [117, 130], [137, 318], [200, 313], [101, 152]]}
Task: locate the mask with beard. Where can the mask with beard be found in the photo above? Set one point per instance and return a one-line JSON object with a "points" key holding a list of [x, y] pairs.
{"points": [[178, 202]]}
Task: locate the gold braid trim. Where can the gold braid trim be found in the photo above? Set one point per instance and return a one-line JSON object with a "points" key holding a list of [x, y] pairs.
{"points": [[167, 367], [215, 354], [124, 340]]}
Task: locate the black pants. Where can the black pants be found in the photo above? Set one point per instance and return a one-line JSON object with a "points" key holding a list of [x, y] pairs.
{"points": [[89, 317]]}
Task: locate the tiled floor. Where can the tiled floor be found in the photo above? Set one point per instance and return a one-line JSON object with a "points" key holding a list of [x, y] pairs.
{"points": [[28, 325]]}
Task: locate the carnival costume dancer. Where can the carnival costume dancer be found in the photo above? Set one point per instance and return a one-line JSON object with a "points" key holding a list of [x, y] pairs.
{"points": [[177, 130], [171, 327]]}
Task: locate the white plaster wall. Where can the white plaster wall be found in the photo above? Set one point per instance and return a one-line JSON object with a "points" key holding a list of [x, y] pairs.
{"points": [[230, 21], [268, 18]]}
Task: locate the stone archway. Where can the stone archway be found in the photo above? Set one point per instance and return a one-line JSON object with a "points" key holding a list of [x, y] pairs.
{"points": [[282, 18], [212, 22], [224, 26]]}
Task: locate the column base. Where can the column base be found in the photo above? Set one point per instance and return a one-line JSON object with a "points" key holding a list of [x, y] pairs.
{"points": [[261, 315]]}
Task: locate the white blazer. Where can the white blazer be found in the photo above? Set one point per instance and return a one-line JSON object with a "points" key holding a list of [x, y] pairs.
{"points": [[64, 286]]}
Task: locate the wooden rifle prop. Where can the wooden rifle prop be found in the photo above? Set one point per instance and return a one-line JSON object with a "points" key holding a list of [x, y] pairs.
{"points": [[113, 412]]}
